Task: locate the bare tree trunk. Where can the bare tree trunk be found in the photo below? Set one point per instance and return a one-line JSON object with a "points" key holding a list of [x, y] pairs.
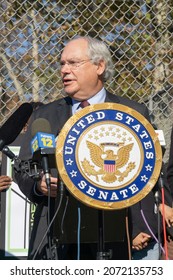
{"points": [[35, 79], [162, 72], [13, 77], [162, 46]]}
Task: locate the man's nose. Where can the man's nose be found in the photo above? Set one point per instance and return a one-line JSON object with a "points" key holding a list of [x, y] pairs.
{"points": [[65, 68]]}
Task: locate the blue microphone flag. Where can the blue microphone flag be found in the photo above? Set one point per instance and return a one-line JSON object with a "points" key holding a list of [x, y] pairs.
{"points": [[42, 140]]}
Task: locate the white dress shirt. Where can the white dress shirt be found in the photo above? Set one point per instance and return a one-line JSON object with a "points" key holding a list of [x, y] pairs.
{"points": [[96, 99]]}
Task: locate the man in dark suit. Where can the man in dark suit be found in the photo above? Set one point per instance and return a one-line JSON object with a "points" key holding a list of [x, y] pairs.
{"points": [[85, 66]]}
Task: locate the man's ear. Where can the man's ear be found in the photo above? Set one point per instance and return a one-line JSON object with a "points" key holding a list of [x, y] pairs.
{"points": [[101, 67]]}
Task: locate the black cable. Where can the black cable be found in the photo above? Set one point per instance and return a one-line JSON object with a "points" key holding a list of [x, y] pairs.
{"points": [[63, 216], [61, 187], [48, 222]]}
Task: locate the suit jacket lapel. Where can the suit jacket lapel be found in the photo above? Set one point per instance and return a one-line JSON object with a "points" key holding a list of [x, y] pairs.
{"points": [[63, 113], [66, 107]]}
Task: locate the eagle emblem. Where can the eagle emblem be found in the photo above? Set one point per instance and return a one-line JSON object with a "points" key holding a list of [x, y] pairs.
{"points": [[108, 163]]}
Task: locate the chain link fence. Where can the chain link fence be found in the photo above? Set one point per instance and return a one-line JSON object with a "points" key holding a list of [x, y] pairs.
{"points": [[138, 33]]}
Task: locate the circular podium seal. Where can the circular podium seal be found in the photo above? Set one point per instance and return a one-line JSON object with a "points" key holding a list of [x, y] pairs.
{"points": [[108, 156]]}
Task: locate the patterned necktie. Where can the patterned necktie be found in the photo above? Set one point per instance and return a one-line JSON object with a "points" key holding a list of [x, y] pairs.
{"points": [[84, 104]]}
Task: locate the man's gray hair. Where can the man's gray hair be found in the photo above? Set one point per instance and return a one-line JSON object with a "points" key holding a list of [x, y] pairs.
{"points": [[98, 51]]}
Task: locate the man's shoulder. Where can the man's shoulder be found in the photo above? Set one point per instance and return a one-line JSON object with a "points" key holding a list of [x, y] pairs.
{"points": [[125, 101], [55, 104], [131, 103]]}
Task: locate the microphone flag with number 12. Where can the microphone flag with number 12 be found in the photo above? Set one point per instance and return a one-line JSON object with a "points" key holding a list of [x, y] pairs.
{"points": [[42, 140]]}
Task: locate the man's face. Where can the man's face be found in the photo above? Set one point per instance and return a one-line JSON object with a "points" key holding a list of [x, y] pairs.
{"points": [[81, 78]]}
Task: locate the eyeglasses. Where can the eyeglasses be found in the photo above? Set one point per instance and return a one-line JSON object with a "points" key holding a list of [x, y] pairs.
{"points": [[74, 64]]}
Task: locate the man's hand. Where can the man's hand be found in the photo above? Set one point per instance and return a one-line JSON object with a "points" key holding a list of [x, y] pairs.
{"points": [[140, 241], [42, 187], [5, 182]]}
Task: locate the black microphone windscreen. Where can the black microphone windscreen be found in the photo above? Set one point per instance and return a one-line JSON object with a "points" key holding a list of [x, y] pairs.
{"points": [[40, 125], [14, 125]]}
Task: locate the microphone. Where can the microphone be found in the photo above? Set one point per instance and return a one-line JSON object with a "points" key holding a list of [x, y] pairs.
{"points": [[9, 153], [43, 146], [13, 126]]}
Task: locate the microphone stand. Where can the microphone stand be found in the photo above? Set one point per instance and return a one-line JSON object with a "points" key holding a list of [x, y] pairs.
{"points": [[101, 253], [46, 171]]}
